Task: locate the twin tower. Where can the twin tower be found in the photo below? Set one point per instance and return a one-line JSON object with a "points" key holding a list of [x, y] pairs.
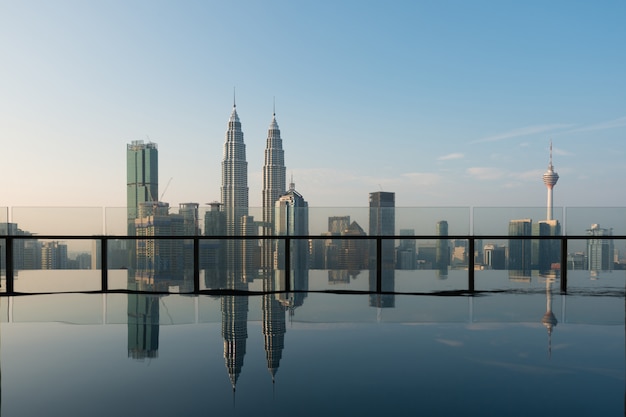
{"points": [[234, 189]]}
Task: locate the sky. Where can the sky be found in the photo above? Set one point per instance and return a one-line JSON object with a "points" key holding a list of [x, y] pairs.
{"points": [[446, 103]]}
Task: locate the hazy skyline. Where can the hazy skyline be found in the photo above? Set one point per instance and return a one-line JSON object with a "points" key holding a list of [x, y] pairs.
{"points": [[444, 103]]}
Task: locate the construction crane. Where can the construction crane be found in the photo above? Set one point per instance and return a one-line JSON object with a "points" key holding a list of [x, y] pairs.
{"points": [[164, 190]]}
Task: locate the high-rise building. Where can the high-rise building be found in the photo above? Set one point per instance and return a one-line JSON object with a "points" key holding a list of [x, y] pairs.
{"points": [[353, 253], [53, 255], [549, 179], [382, 219], [382, 223], [274, 180], [155, 256], [406, 253], [142, 176], [212, 249], [442, 251], [546, 252], [337, 224], [291, 218], [600, 249], [234, 176], [520, 249], [273, 187]]}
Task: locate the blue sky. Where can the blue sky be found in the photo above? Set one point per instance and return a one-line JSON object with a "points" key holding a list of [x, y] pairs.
{"points": [[446, 103]]}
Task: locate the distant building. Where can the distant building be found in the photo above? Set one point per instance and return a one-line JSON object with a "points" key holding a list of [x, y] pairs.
{"points": [[337, 224], [520, 249], [353, 253], [382, 219], [442, 252], [291, 218], [546, 252], [142, 175], [159, 255], [406, 252], [53, 255], [600, 249], [494, 257], [22, 258], [212, 249]]}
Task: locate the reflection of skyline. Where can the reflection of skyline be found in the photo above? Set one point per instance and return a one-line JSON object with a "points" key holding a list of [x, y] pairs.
{"points": [[234, 325], [143, 316], [274, 325], [549, 319]]}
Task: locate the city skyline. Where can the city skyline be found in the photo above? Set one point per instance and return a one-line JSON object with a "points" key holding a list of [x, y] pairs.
{"points": [[444, 104]]}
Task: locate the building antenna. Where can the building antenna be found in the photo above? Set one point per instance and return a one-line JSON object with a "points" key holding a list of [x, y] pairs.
{"points": [[234, 101], [274, 107], [550, 152]]}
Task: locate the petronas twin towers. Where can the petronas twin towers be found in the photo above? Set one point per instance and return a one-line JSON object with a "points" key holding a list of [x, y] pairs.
{"points": [[234, 188]]}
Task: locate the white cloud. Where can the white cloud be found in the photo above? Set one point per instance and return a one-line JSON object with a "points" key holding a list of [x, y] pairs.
{"points": [[610, 124], [451, 156], [523, 131], [424, 179], [486, 173], [534, 174]]}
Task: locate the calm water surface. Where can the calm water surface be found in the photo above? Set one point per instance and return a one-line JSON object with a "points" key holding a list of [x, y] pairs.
{"points": [[310, 354]]}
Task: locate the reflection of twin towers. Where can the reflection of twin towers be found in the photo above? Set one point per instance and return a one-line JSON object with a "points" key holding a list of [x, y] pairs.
{"points": [[144, 316]]}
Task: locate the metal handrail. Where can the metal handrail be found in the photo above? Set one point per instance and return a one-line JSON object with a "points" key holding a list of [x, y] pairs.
{"points": [[288, 238]]}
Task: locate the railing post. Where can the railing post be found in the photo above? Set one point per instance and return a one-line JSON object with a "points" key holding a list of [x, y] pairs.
{"points": [[379, 264], [9, 265], [470, 266], [287, 263], [104, 263], [563, 264], [196, 264]]}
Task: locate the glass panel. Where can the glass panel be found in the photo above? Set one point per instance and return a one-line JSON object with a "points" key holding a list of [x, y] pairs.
{"points": [[67, 221], [496, 221]]}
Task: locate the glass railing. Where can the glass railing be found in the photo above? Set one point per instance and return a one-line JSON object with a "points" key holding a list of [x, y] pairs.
{"points": [[420, 250]]}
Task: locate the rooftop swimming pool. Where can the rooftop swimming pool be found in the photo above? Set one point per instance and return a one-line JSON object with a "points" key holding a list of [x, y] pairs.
{"points": [[519, 348]]}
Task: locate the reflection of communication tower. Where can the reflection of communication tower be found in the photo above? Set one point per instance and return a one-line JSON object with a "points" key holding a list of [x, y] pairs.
{"points": [[549, 179]]}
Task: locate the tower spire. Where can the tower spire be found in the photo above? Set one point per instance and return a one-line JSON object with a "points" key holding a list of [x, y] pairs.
{"points": [[550, 179], [550, 164], [234, 98]]}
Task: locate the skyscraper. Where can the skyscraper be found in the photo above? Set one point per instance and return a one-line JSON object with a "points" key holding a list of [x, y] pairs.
{"points": [[273, 185], [273, 172], [549, 179], [291, 218], [600, 248], [382, 221], [234, 176], [520, 249], [142, 176], [442, 249]]}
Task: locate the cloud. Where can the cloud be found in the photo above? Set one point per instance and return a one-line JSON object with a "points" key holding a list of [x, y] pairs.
{"points": [[523, 131], [422, 178], [534, 174], [486, 173], [451, 156], [610, 124]]}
